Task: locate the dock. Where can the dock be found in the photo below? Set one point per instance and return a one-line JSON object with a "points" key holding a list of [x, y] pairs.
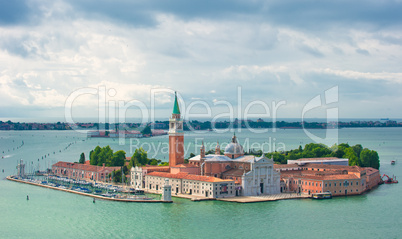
{"points": [[265, 198], [88, 194]]}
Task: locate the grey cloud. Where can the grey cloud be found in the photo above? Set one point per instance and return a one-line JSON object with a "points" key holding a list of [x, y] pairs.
{"points": [[310, 50], [24, 46], [13, 12], [308, 15], [363, 52]]}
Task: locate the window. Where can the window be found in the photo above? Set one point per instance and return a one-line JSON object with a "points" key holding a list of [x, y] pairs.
{"points": [[330, 184], [357, 183], [334, 184]]}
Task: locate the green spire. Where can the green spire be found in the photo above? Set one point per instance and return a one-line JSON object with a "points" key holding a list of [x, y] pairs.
{"points": [[176, 109]]}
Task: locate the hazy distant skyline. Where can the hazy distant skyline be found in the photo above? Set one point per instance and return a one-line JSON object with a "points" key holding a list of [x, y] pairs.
{"points": [[271, 51]]}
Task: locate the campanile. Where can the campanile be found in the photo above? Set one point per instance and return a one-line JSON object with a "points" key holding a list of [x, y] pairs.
{"points": [[176, 136]]}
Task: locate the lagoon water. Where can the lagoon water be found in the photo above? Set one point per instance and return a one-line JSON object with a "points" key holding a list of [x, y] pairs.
{"points": [[54, 214]]}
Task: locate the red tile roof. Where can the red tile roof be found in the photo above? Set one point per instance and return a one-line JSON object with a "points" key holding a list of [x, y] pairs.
{"points": [[85, 167], [370, 171], [185, 166], [287, 166], [317, 159], [322, 177], [334, 167]]}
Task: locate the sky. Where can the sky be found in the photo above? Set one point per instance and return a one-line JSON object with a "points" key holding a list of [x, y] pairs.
{"points": [[237, 59]]}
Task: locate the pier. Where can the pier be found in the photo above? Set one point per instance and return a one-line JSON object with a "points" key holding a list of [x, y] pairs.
{"points": [[266, 198]]}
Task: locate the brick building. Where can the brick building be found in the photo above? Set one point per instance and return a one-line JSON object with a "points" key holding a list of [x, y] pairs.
{"points": [[82, 171], [318, 178]]}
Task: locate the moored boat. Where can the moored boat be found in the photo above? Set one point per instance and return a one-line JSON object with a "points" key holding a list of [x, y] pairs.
{"points": [[325, 195]]}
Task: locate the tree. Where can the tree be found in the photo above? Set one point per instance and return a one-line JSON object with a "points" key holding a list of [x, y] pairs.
{"points": [[95, 156], [82, 158], [105, 155], [146, 131], [358, 149], [117, 174], [139, 158], [369, 158], [118, 158], [352, 156], [338, 153], [153, 162]]}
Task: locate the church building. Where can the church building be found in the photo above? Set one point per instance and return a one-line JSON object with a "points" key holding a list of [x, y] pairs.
{"points": [[213, 175]]}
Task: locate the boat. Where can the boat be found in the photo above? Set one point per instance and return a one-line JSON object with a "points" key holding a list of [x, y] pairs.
{"points": [[326, 195], [135, 191], [393, 162], [109, 195], [389, 179]]}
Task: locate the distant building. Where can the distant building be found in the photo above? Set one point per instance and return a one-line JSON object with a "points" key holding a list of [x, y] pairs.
{"points": [[328, 160]]}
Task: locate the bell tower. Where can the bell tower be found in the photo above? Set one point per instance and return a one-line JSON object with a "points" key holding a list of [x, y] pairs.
{"points": [[217, 149], [176, 136]]}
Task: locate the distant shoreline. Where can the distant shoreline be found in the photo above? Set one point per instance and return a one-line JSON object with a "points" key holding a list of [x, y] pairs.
{"points": [[199, 125]]}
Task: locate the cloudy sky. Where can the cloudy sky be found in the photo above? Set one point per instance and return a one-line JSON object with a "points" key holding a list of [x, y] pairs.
{"points": [[58, 56]]}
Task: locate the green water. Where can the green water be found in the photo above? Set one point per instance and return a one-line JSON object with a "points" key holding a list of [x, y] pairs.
{"points": [[54, 214]]}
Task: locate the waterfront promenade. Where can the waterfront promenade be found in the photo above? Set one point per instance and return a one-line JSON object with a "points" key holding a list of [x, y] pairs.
{"points": [[265, 198], [242, 199], [239, 199]]}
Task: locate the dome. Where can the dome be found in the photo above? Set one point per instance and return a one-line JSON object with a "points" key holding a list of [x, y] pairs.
{"points": [[234, 147]]}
